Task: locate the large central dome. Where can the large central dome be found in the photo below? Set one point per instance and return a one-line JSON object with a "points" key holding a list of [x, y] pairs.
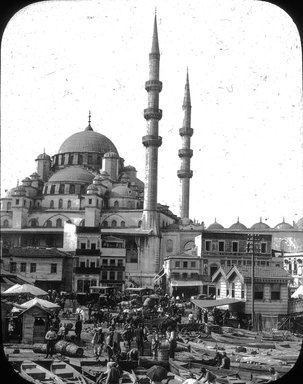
{"points": [[87, 141]]}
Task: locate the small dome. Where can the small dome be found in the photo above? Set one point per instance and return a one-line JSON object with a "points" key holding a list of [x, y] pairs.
{"points": [[43, 156], [299, 224], [19, 191], [35, 176], [87, 141], [98, 179], [260, 226], [215, 226], [111, 154], [238, 226], [283, 226], [92, 190], [122, 191], [130, 168], [72, 175]]}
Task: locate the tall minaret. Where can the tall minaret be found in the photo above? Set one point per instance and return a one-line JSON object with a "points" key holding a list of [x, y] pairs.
{"points": [[185, 154], [152, 141]]}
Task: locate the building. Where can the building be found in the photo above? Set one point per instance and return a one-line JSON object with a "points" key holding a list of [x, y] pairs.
{"points": [[270, 300]]}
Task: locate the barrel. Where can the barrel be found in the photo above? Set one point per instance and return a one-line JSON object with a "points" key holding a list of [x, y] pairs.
{"points": [[73, 350], [60, 346], [39, 348], [163, 351]]}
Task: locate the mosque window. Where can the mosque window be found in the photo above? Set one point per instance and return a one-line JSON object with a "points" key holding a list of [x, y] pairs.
{"points": [[116, 204], [52, 190], [71, 159], [80, 159], [60, 203], [99, 160], [59, 223], [51, 204], [49, 224], [122, 224], [5, 223], [89, 159], [61, 189], [105, 224], [82, 189], [33, 223], [139, 223], [69, 204], [72, 188], [9, 206], [114, 224]]}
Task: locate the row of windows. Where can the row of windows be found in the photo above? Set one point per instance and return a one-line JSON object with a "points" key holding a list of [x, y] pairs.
{"points": [[229, 263], [83, 285], [185, 264], [52, 189], [32, 267], [60, 204], [211, 246], [70, 159], [49, 223], [185, 275], [114, 224], [105, 262], [232, 291]]}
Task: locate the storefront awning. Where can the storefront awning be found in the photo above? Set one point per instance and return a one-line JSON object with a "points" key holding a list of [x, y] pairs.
{"points": [[215, 303], [183, 283], [159, 275]]}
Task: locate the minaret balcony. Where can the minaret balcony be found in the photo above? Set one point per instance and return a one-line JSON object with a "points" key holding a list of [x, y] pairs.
{"points": [[186, 132], [153, 113], [153, 85], [152, 141], [185, 152], [184, 173]]}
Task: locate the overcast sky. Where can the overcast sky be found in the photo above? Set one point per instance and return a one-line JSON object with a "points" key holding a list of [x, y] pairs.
{"points": [[61, 59]]}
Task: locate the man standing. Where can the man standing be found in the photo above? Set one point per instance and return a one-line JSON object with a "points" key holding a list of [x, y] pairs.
{"points": [[139, 337], [78, 328], [50, 338]]}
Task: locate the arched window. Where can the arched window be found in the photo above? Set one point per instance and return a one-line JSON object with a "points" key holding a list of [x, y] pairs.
{"points": [[122, 224], [72, 188], [60, 203], [80, 159], [5, 223], [51, 204], [33, 223], [69, 204], [105, 224], [59, 223], [116, 204], [9, 206], [82, 189], [45, 189], [139, 223], [89, 159], [71, 159], [129, 204], [49, 224], [114, 224], [52, 190], [61, 189]]}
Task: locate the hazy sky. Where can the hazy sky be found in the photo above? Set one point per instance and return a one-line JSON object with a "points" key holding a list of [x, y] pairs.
{"points": [[61, 59]]}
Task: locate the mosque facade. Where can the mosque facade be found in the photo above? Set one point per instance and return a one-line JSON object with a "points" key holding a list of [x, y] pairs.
{"points": [[86, 202]]}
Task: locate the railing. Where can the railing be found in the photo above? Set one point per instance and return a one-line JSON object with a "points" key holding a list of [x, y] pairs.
{"points": [[88, 270], [88, 252]]}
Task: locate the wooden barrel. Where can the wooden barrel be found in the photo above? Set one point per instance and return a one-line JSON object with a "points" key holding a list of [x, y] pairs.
{"points": [[73, 350], [163, 351], [39, 348], [60, 346]]}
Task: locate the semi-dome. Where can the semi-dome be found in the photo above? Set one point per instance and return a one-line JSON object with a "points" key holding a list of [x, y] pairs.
{"points": [[260, 226], [238, 226], [88, 141], [72, 174], [299, 224], [122, 191], [283, 226], [215, 226]]}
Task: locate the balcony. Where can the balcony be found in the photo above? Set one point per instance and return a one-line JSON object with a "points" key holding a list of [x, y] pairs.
{"points": [[112, 267], [87, 270], [88, 252], [110, 252]]}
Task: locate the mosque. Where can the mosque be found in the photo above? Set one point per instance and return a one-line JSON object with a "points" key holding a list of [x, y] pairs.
{"points": [[86, 202]]}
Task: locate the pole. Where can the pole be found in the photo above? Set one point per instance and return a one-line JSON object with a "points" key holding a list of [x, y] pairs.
{"points": [[253, 284]]}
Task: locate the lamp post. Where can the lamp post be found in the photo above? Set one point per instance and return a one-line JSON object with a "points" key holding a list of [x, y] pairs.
{"points": [[253, 247]]}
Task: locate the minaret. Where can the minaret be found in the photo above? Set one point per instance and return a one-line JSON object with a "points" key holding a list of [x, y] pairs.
{"points": [[185, 153], [152, 141]]}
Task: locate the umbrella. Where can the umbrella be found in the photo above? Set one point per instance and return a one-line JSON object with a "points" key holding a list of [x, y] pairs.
{"points": [[25, 288], [156, 373], [43, 303]]}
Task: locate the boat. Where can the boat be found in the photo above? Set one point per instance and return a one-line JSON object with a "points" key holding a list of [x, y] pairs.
{"points": [[35, 373], [66, 372], [241, 341]]}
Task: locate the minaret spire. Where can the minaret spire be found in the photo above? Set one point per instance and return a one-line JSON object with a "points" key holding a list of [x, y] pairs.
{"points": [[89, 127], [185, 153], [152, 141]]}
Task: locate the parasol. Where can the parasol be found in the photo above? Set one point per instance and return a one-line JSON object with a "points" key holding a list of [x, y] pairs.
{"points": [[25, 288], [157, 373], [43, 303]]}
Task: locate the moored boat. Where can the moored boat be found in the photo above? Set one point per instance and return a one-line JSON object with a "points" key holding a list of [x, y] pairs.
{"points": [[66, 372], [35, 373], [241, 341]]}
